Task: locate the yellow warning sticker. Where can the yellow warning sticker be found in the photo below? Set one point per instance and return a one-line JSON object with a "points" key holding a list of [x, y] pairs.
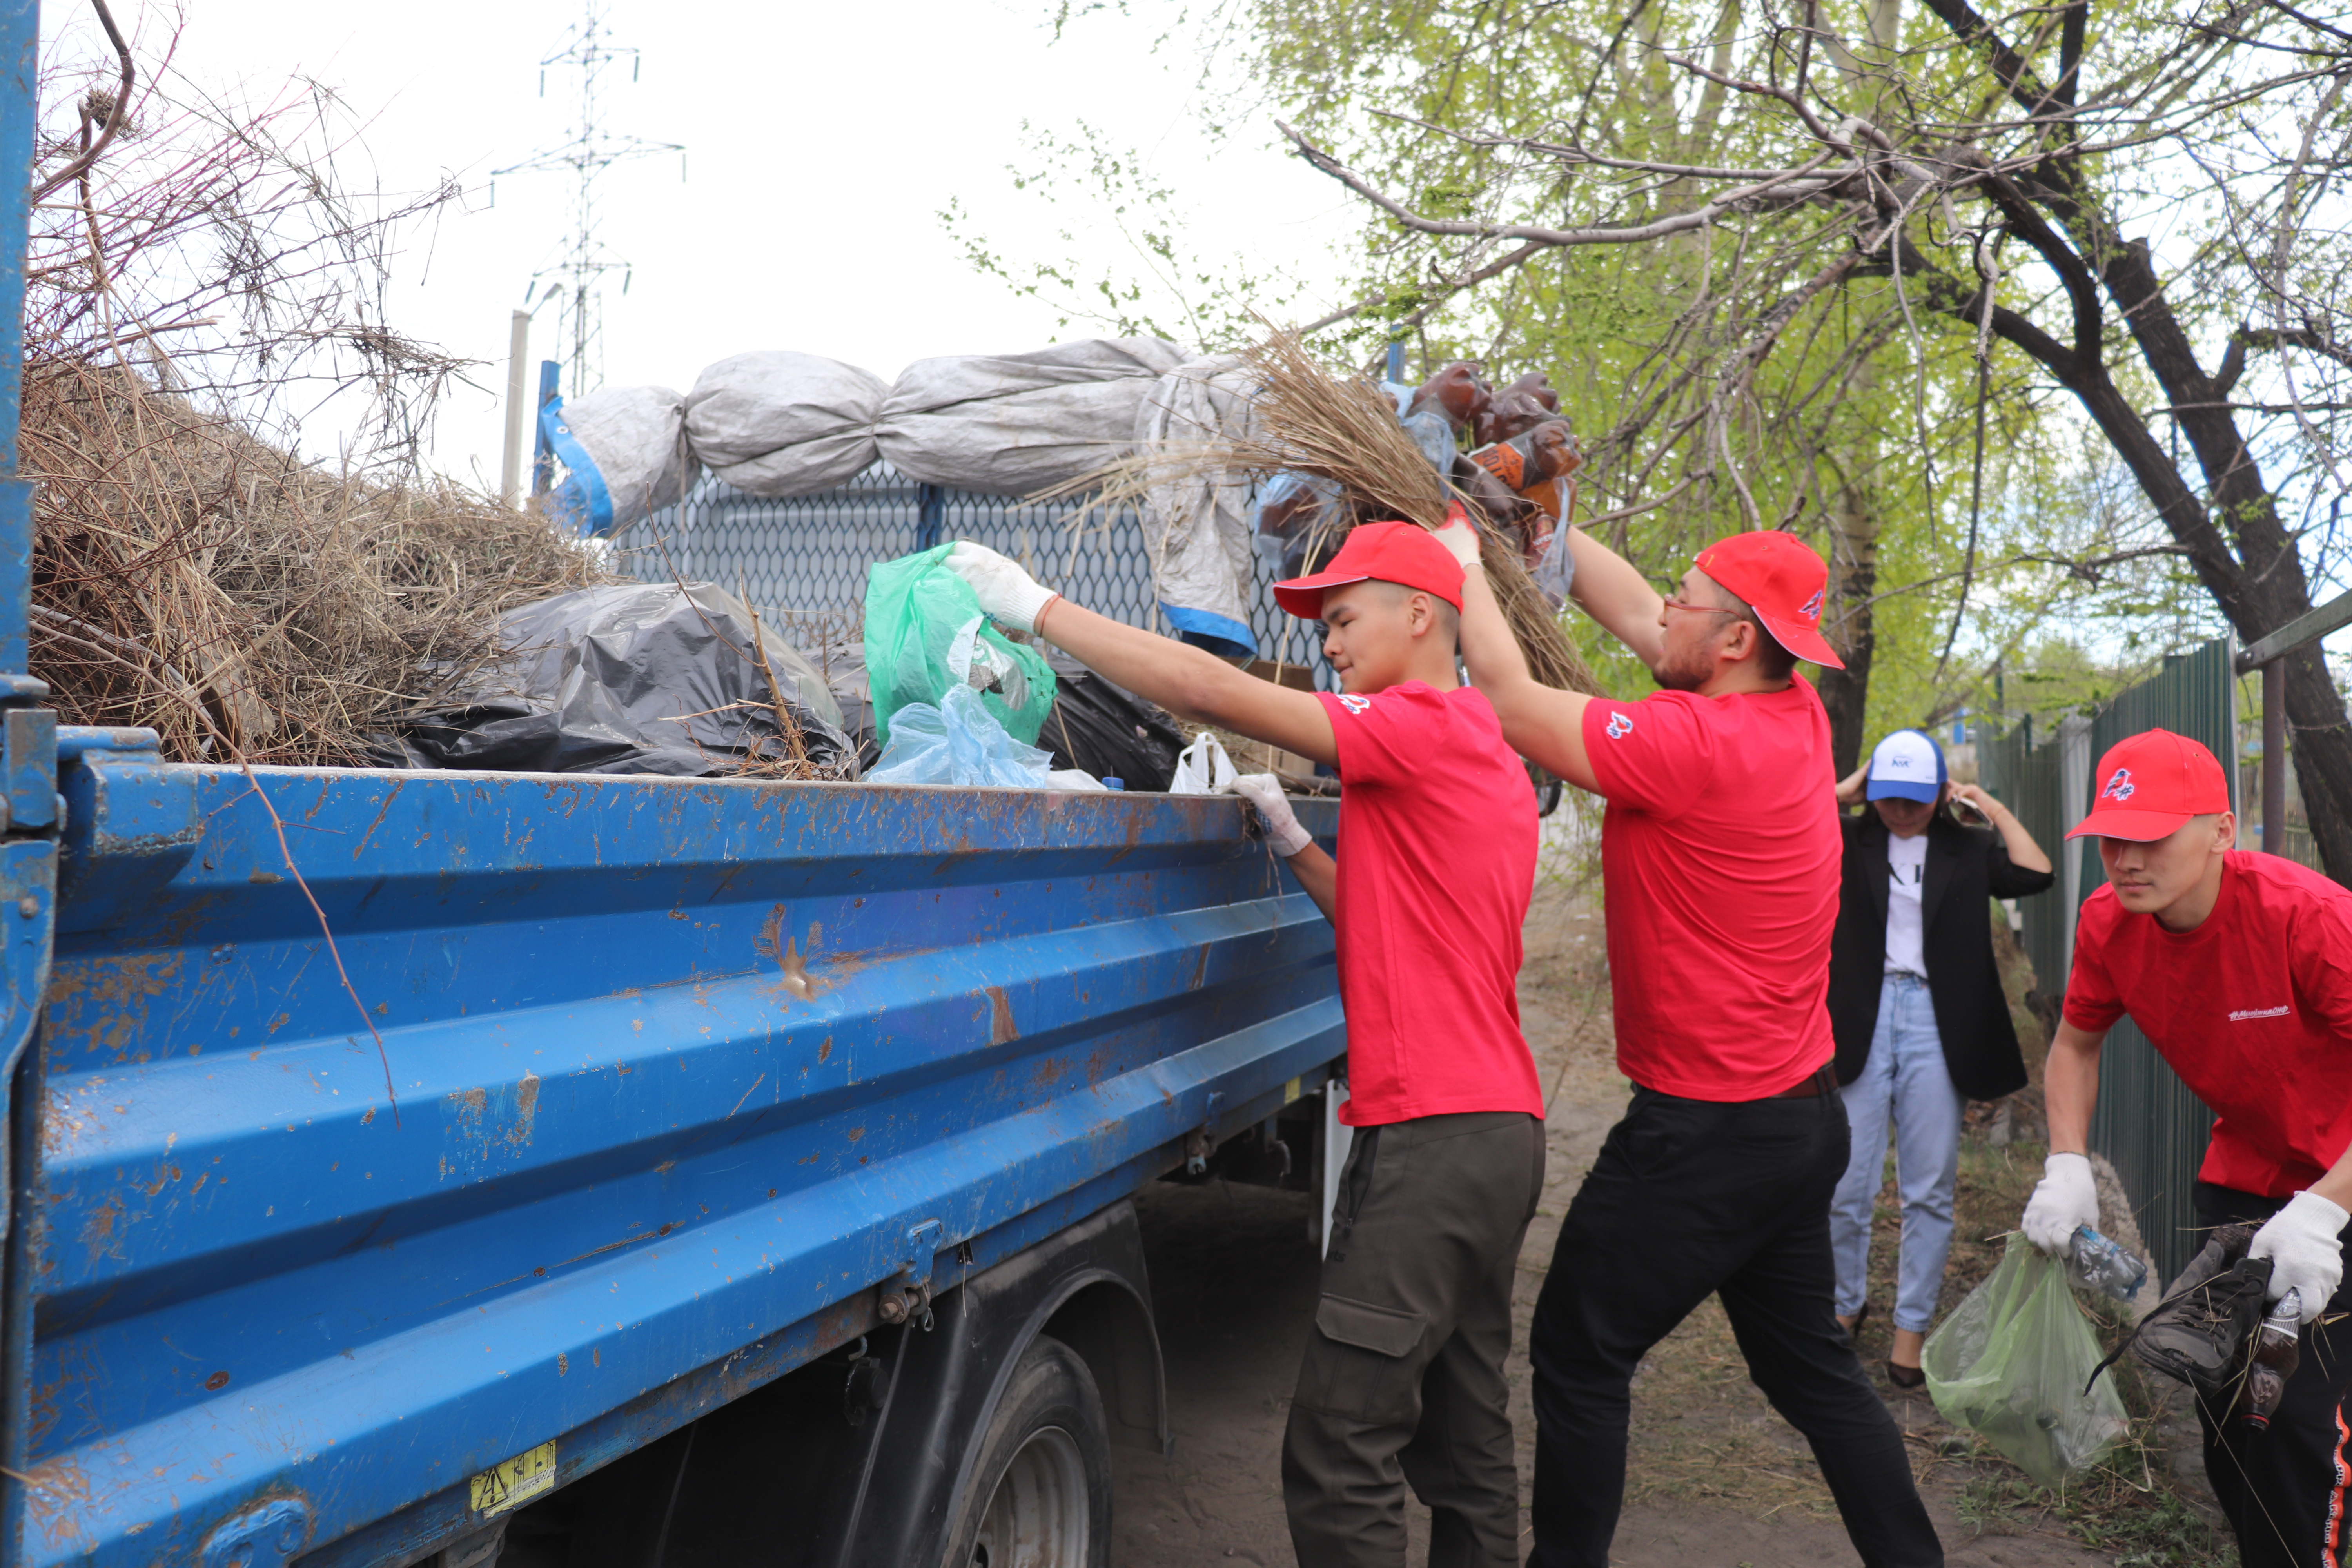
{"points": [[528, 1474], [1290, 1091]]}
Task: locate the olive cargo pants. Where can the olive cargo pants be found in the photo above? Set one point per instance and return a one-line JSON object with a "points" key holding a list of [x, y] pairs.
{"points": [[1402, 1379]]}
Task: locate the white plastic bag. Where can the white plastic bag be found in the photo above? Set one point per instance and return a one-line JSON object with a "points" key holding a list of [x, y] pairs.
{"points": [[1203, 768], [776, 423], [1198, 532], [625, 450], [1012, 424]]}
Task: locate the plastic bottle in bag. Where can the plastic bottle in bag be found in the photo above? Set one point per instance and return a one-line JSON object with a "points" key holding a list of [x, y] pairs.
{"points": [[2276, 1353], [2094, 1263]]}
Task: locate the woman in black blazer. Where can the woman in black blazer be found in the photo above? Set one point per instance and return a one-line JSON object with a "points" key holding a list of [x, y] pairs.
{"points": [[1916, 1006]]}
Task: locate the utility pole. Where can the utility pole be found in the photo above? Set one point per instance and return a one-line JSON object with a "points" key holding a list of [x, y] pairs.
{"points": [[574, 280], [518, 410]]}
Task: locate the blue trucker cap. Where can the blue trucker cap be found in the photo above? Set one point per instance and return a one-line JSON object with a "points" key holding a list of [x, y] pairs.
{"points": [[1907, 765]]}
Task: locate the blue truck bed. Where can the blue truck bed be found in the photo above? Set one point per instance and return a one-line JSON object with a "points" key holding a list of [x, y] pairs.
{"points": [[684, 1071]]}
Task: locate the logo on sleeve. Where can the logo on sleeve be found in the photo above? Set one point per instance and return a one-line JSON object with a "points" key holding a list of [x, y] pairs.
{"points": [[1619, 725], [2119, 787], [1355, 704]]}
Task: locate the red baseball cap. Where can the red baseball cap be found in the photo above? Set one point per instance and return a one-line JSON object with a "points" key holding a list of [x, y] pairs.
{"points": [[2152, 783], [1778, 576], [1402, 552]]}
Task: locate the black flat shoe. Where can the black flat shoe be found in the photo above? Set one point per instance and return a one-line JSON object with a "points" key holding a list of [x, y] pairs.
{"points": [[1905, 1376], [1861, 1316]]}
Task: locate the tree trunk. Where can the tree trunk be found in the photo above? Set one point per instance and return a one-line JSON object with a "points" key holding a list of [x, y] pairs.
{"points": [[1853, 577]]}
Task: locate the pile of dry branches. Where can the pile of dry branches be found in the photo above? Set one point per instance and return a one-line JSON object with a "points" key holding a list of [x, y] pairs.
{"points": [[199, 279], [192, 579]]}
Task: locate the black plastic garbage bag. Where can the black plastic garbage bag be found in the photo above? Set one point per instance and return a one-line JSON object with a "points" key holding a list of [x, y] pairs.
{"points": [[634, 678], [1108, 733]]}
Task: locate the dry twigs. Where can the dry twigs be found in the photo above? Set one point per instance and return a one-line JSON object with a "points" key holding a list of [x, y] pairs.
{"points": [[192, 579], [1343, 430], [193, 267]]}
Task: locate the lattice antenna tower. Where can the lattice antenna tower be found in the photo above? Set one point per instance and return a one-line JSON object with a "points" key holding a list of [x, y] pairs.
{"points": [[574, 282]]}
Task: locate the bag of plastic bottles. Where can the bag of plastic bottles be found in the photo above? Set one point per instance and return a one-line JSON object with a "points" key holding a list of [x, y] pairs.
{"points": [[958, 743], [925, 634], [2012, 1364]]}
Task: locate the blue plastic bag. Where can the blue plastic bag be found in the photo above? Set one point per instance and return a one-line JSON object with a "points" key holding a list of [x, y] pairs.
{"points": [[958, 743]]}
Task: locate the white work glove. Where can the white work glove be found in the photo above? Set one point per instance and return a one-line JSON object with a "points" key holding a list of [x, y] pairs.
{"points": [[1264, 791], [1460, 539], [2066, 1197], [2304, 1243], [1008, 595]]}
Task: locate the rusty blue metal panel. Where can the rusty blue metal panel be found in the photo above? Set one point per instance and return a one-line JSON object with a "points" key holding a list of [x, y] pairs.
{"points": [[675, 1068]]}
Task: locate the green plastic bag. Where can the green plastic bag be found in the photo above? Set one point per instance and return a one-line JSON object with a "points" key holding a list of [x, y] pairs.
{"points": [[925, 633], [2012, 1363]]}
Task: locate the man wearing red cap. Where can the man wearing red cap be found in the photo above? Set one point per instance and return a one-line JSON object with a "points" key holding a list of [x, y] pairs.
{"points": [[1720, 857], [1402, 1380], [2238, 967]]}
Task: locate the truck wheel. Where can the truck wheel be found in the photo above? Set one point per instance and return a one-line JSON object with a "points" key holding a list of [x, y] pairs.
{"points": [[1040, 1494]]}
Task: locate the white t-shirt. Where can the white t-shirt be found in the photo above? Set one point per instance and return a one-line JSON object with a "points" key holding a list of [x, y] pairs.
{"points": [[1906, 872]]}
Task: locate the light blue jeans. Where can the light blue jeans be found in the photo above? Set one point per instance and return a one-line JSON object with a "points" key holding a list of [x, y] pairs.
{"points": [[1905, 1081]]}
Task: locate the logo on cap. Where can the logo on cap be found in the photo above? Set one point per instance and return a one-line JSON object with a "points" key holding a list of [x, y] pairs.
{"points": [[1618, 726], [2120, 786], [1355, 704], [1811, 608]]}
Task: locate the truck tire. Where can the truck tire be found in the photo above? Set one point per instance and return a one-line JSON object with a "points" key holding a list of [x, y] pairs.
{"points": [[1040, 1493]]}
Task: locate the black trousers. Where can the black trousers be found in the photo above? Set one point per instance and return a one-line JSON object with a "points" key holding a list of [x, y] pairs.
{"points": [[1402, 1379], [2284, 1488], [1691, 1198]]}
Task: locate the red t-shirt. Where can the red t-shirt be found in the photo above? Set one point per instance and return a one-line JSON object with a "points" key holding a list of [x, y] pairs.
{"points": [[2253, 1010], [1721, 854], [1437, 862]]}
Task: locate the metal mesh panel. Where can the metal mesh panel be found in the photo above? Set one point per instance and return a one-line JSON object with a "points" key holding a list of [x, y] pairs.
{"points": [[2147, 1124], [808, 554]]}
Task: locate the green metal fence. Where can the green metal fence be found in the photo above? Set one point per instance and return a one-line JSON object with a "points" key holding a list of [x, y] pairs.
{"points": [[2147, 1124]]}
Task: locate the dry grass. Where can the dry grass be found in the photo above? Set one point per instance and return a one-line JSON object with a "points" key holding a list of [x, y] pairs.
{"points": [[192, 579]]}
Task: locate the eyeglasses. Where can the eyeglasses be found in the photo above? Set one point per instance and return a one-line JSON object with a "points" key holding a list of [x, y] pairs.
{"points": [[1675, 603]]}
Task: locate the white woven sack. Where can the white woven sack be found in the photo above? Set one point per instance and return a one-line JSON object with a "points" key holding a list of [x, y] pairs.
{"points": [[1197, 531], [636, 435], [777, 423], [1015, 423]]}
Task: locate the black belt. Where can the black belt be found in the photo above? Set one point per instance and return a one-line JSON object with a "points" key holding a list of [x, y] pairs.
{"points": [[1821, 1083]]}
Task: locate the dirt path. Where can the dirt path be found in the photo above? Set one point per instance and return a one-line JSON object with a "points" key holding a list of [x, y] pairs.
{"points": [[1717, 1478]]}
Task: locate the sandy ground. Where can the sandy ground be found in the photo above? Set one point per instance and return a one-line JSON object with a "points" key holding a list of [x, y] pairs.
{"points": [[1717, 1478]]}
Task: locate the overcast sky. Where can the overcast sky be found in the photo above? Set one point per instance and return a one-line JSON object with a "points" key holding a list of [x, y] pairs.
{"points": [[822, 141]]}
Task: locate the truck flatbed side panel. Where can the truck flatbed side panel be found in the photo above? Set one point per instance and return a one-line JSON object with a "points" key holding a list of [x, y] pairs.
{"points": [[676, 1067]]}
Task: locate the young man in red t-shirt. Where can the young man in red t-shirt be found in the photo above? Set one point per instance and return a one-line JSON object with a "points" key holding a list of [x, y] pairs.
{"points": [[1402, 1379], [1720, 859], [2238, 967]]}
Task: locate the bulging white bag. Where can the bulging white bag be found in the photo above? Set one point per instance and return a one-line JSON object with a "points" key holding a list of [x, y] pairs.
{"points": [[1014, 424], [777, 423], [624, 449], [1198, 530]]}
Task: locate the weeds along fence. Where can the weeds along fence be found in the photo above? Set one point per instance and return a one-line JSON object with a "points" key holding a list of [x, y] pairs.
{"points": [[2147, 1124], [807, 555]]}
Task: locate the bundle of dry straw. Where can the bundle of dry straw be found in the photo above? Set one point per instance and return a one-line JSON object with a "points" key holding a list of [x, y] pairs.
{"points": [[1344, 429], [191, 578]]}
